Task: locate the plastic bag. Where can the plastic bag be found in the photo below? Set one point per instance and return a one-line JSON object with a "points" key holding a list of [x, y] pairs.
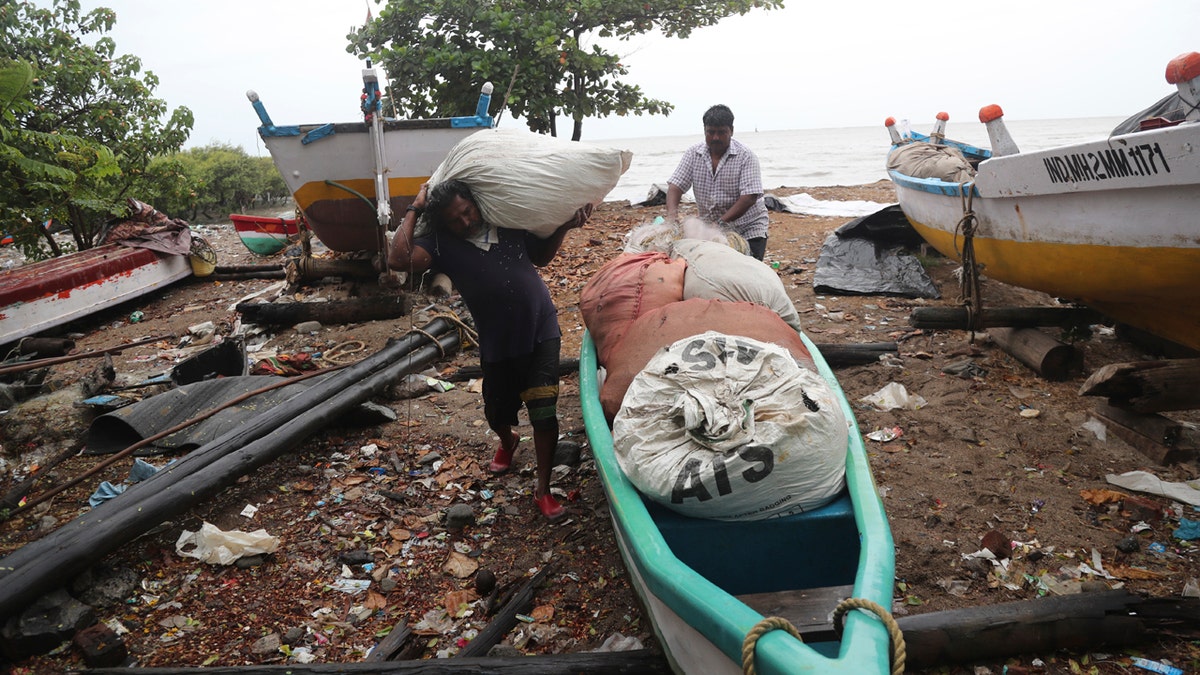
{"points": [[215, 546], [530, 181]]}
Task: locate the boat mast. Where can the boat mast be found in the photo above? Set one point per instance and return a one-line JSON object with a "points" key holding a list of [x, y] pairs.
{"points": [[372, 107]]}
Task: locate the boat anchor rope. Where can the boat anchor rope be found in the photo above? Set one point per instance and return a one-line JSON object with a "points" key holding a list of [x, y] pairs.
{"points": [[770, 623], [969, 293]]}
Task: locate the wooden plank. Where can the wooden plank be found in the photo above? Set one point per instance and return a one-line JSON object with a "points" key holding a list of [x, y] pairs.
{"points": [[809, 610], [1147, 386], [1159, 438]]}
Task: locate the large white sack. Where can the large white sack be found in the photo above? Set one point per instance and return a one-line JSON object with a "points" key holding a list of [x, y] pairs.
{"points": [[730, 428], [717, 272], [529, 181]]}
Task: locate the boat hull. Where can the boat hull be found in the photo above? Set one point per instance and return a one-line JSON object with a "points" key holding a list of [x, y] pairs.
{"points": [[332, 178], [1129, 245], [47, 294], [263, 235], [694, 575]]}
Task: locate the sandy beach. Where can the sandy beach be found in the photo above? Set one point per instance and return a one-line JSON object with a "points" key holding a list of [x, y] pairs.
{"points": [[969, 462]]}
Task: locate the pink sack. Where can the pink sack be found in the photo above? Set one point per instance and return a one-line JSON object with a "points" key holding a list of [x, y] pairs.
{"points": [[659, 328], [624, 289]]}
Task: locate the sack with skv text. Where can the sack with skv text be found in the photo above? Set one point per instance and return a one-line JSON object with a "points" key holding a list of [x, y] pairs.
{"points": [[727, 427]]}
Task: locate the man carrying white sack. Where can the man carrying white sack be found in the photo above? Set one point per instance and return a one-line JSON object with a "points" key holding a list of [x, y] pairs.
{"points": [[519, 338], [724, 177]]}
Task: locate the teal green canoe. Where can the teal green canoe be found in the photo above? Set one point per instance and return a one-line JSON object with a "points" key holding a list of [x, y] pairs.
{"points": [[707, 584]]}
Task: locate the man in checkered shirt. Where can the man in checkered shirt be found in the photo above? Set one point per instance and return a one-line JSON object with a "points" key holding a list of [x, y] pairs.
{"points": [[725, 179]]}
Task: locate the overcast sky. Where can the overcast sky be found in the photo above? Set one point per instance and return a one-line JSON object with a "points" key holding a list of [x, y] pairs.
{"points": [[810, 65]]}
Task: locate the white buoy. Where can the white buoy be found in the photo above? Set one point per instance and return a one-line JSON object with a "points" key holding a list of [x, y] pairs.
{"points": [[993, 118], [939, 129], [1184, 72]]}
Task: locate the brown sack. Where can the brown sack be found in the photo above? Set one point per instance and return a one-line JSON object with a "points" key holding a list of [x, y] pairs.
{"points": [[659, 328], [627, 287]]}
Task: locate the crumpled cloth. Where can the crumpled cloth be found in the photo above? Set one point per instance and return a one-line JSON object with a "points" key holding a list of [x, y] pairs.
{"points": [[146, 227]]}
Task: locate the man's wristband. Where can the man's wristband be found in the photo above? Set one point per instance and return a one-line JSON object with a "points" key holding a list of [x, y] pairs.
{"points": [[413, 209]]}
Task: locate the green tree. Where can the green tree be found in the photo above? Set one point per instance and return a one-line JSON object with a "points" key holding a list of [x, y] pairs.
{"points": [[83, 89], [549, 50], [41, 173]]}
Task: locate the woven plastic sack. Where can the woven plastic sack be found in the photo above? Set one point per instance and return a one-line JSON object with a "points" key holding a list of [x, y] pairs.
{"points": [[926, 160], [656, 329], [718, 272], [625, 288], [529, 181], [726, 427]]}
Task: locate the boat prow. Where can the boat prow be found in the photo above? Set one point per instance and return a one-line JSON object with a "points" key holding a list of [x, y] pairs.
{"points": [[1112, 223], [348, 178], [708, 584]]}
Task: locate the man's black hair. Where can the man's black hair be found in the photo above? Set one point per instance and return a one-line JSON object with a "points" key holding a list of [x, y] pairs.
{"points": [[718, 116], [441, 195]]}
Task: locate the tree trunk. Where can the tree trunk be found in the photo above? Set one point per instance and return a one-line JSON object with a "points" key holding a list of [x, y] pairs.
{"points": [[1079, 622], [639, 662]]}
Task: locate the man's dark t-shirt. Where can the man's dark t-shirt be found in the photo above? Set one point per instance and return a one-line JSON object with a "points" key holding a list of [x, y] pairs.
{"points": [[501, 286]]}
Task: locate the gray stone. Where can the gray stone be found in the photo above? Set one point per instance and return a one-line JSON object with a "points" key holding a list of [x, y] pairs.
{"points": [[459, 516], [356, 557], [247, 561], [267, 644], [1129, 544], [504, 651], [388, 585], [105, 586], [429, 458], [567, 453], [294, 635], [308, 326], [51, 620]]}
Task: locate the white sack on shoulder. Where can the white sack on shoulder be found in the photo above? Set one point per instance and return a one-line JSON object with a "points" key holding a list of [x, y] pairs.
{"points": [[726, 427], [529, 181], [717, 272]]}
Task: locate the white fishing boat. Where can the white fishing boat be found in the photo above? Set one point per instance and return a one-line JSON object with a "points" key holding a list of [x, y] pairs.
{"points": [[349, 178], [1113, 223]]}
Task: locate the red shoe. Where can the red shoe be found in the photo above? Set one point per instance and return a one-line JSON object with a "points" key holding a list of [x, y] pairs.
{"points": [[503, 458], [550, 507]]}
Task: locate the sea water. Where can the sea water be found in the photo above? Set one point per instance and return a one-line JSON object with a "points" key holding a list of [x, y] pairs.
{"points": [[823, 157]]}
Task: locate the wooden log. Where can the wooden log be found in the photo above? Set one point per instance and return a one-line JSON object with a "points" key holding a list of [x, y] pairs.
{"points": [[1048, 357], [277, 273], [956, 318], [352, 310], [1159, 438], [634, 662], [849, 354], [1147, 386], [247, 269], [44, 347], [43, 565], [391, 643], [1079, 622], [312, 269], [506, 618], [565, 367]]}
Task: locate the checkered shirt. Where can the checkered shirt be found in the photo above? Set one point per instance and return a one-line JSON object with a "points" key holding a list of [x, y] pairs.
{"points": [[737, 174]]}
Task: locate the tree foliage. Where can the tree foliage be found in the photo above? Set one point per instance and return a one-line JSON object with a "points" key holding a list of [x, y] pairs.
{"points": [[86, 111], [437, 53]]}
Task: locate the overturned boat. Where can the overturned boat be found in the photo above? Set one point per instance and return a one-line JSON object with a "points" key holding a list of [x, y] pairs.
{"points": [[1112, 223]]}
